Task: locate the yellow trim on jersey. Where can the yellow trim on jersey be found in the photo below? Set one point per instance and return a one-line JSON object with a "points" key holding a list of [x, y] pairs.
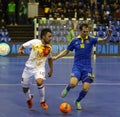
{"points": [[86, 38], [82, 45]]}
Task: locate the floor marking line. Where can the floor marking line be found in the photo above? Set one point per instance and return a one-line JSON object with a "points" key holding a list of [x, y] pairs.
{"points": [[53, 84]]}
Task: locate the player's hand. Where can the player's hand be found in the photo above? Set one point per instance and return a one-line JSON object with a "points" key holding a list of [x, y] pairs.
{"points": [[50, 73], [20, 51]]}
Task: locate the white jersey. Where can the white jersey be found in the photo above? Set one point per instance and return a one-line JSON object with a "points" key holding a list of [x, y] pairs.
{"points": [[39, 53]]}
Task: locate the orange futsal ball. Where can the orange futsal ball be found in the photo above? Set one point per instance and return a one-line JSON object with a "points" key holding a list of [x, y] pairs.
{"points": [[65, 107]]}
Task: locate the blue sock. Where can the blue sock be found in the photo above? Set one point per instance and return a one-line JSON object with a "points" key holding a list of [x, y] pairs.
{"points": [[68, 87], [81, 95]]}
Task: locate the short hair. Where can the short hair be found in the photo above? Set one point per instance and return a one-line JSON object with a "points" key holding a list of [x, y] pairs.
{"points": [[83, 25], [45, 31]]}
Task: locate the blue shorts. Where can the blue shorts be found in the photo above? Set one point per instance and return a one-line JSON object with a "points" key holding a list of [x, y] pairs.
{"points": [[83, 74]]}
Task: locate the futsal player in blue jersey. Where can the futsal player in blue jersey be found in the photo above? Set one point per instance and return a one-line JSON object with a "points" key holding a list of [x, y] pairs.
{"points": [[82, 68]]}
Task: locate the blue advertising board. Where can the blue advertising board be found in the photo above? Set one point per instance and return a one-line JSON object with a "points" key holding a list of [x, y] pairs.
{"points": [[104, 49], [107, 49]]}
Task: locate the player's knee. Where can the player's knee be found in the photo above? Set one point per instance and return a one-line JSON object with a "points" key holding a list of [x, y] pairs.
{"points": [[39, 82], [73, 82], [72, 85], [25, 90], [86, 87]]}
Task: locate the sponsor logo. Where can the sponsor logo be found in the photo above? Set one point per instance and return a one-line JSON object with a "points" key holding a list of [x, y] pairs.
{"points": [[4, 49]]}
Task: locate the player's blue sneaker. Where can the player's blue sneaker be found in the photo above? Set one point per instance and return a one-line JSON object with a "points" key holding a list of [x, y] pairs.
{"points": [[78, 105], [64, 93]]}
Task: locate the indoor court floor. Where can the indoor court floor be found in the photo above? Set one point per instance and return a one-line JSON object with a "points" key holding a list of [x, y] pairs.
{"points": [[102, 100]]}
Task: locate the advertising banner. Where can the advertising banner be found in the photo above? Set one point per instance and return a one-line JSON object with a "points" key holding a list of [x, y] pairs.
{"points": [[104, 49]]}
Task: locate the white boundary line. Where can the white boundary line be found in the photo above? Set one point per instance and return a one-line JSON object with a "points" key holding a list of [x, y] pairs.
{"points": [[52, 84]]}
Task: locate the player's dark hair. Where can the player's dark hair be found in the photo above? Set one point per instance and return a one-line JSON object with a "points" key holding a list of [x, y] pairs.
{"points": [[83, 25], [44, 32]]}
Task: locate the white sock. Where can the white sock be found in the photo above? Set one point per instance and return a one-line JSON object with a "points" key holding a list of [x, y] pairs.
{"points": [[28, 94], [42, 92]]}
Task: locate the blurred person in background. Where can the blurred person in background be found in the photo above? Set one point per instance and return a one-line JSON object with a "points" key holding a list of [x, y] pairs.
{"points": [[2, 24], [71, 33], [12, 13], [22, 13]]}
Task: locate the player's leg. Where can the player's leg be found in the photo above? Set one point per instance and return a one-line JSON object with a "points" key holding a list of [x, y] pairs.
{"points": [[72, 83], [29, 96], [26, 81], [87, 79], [75, 75], [82, 94], [40, 77], [41, 88]]}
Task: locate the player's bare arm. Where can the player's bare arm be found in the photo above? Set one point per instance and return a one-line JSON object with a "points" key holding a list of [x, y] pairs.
{"points": [[50, 63], [61, 54], [109, 32], [20, 50]]}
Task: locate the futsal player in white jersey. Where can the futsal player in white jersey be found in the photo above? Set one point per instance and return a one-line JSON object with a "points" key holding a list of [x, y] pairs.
{"points": [[35, 66]]}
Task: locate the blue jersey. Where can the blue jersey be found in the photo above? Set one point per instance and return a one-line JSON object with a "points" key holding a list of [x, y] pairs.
{"points": [[83, 50]]}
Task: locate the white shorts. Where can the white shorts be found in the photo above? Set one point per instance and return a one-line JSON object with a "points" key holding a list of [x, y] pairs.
{"points": [[30, 73]]}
